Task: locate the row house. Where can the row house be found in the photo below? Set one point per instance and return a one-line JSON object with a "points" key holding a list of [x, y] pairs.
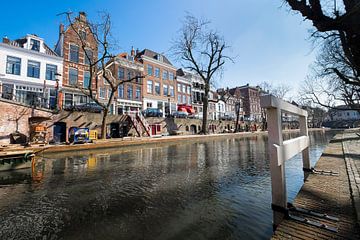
{"points": [[127, 71], [76, 60], [30, 72], [183, 88], [159, 82], [251, 105], [235, 102], [197, 89]]}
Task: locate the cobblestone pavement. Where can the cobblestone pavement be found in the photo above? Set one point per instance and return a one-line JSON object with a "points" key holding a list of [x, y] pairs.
{"points": [[351, 146], [330, 194]]}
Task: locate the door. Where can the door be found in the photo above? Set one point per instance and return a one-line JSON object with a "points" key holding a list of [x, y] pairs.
{"points": [[59, 132]]}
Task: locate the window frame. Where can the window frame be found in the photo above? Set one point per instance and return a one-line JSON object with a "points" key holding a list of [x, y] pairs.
{"points": [[149, 83], [13, 63], [52, 73], [77, 76], [35, 66], [71, 51], [88, 84]]}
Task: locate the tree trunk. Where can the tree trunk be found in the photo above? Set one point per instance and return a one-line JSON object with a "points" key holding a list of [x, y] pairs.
{"points": [[205, 109], [103, 123], [237, 120]]}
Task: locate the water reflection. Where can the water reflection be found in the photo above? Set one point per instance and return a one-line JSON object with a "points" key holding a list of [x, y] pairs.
{"points": [[215, 189]]}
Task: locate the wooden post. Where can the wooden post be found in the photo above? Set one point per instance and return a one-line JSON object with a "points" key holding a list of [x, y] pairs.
{"points": [[278, 183], [280, 151], [305, 152]]}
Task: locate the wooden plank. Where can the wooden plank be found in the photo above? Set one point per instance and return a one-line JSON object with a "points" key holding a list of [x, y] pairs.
{"points": [[290, 148], [269, 101]]}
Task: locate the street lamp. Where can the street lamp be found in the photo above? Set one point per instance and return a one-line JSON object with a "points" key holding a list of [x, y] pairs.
{"points": [[168, 109], [57, 90]]}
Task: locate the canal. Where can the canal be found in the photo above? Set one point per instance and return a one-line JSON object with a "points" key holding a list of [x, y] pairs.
{"points": [[210, 189]]}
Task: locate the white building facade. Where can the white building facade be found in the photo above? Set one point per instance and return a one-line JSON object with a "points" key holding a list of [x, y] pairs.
{"points": [[30, 72]]}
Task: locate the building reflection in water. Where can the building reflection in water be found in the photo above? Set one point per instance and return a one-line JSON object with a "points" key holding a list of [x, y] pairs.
{"points": [[195, 190]]}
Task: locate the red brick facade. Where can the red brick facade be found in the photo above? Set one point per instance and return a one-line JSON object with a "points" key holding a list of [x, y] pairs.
{"points": [[69, 37]]}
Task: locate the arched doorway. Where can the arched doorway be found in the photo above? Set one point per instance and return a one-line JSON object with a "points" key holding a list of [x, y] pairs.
{"points": [[59, 132], [193, 129]]}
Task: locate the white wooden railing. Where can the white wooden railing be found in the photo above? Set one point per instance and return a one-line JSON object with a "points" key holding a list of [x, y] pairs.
{"points": [[280, 150]]}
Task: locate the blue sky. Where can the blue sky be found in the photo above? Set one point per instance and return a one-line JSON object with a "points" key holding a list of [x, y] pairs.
{"points": [[270, 42]]}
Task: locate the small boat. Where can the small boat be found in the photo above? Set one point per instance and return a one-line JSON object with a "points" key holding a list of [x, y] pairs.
{"points": [[16, 160]]}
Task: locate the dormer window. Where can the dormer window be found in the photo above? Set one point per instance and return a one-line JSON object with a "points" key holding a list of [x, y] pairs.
{"points": [[35, 45]]}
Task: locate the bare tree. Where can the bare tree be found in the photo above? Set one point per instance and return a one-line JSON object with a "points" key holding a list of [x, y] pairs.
{"points": [[324, 86], [201, 50], [98, 65], [337, 29], [280, 90]]}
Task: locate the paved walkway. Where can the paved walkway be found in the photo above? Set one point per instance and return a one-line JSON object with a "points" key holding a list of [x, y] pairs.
{"points": [[333, 195], [351, 145]]}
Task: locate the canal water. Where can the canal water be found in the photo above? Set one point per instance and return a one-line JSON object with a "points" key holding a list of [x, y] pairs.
{"points": [[210, 189]]}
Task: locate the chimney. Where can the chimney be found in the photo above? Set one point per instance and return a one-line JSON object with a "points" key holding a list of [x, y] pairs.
{"points": [[61, 29], [132, 52], [82, 16], [6, 40]]}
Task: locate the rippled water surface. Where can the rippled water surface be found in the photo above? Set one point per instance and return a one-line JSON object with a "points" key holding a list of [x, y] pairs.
{"points": [[214, 189]]}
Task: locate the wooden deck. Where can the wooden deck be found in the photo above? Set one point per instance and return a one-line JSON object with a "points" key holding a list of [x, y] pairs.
{"points": [[324, 194]]}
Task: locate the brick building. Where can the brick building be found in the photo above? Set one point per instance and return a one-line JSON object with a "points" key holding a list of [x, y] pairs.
{"points": [[251, 104], [129, 95], [159, 84], [76, 75]]}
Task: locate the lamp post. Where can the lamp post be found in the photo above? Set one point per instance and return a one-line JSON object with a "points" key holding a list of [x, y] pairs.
{"points": [[57, 90], [168, 109]]}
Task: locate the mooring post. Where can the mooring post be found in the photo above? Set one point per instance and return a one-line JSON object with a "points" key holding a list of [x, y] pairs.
{"points": [[277, 166], [305, 152]]}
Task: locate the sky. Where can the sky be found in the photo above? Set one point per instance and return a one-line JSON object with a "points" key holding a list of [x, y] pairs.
{"points": [[270, 42]]}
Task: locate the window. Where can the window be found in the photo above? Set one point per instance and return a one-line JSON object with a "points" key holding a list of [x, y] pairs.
{"points": [[121, 73], [172, 93], [165, 75], [51, 70], [179, 98], [86, 82], [68, 99], [189, 100], [73, 76], [138, 93], [189, 90], [148, 105], [184, 98], [157, 72], [33, 69], [109, 93], [88, 56], [171, 76], [150, 70], [13, 65], [166, 90], [149, 86], [82, 34], [102, 92], [179, 87], [129, 92], [35, 45], [184, 88], [129, 73], [121, 91], [157, 88], [74, 53]]}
